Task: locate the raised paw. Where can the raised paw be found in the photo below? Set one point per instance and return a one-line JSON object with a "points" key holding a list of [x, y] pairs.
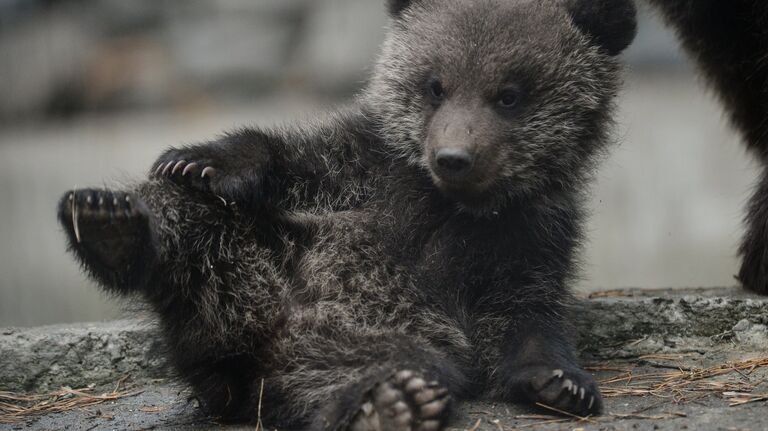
{"points": [[571, 391], [97, 215], [214, 171], [109, 231], [192, 173], [404, 402]]}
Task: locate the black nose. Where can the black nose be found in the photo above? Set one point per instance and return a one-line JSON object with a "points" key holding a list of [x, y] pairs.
{"points": [[454, 161]]}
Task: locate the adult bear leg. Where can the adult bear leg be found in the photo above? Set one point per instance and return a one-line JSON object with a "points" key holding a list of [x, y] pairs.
{"points": [[729, 42], [754, 246]]}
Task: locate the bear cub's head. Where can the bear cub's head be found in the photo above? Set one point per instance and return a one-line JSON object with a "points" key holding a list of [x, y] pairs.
{"points": [[500, 99]]}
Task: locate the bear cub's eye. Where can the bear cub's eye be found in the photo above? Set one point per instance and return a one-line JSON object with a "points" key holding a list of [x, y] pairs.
{"points": [[508, 99], [435, 90]]}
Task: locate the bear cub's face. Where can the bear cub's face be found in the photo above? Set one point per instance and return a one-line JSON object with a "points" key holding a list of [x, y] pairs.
{"points": [[498, 99]]}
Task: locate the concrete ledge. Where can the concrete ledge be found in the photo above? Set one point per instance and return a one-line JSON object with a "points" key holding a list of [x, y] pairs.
{"points": [[48, 357], [634, 322], [612, 325]]}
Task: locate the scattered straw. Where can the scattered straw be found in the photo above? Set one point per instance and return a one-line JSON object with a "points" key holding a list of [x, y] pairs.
{"points": [[477, 425], [259, 425], [16, 408], [564, 413], [740, 398], [685, 385], [663, 357], [671, 415], [546, 422]]}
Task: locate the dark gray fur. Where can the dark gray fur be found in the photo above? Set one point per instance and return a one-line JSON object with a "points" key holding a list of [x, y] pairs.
{"points": [[729, 42], [339, 265]]}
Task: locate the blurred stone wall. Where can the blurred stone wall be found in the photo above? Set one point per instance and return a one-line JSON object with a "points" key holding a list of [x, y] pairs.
{"points": [[61, 58], [68, 57]]}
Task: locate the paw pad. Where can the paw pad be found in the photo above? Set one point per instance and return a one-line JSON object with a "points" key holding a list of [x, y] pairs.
{"points": [[406, 401]]}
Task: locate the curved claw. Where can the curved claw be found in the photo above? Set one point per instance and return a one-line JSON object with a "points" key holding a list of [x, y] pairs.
{"points": [[167, 167], [188, 168], [208, 172], [159, 168], [177, 166]]}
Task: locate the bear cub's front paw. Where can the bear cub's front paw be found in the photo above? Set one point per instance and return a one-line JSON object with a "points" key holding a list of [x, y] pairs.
{"points": [[185, 169], [227, 177], [406, 401], [570, 390]]}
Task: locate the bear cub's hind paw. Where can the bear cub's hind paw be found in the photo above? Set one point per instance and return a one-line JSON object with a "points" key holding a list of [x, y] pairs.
{"points": [[110, 232], [102, 215], [404, 402]]}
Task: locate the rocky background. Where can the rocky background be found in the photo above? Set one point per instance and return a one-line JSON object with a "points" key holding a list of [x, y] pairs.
{"points": [[69, 57], [91, 91]]}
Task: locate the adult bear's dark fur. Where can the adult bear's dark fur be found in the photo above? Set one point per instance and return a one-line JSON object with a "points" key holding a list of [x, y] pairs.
{"points": [[729, 40], [409, 251]]}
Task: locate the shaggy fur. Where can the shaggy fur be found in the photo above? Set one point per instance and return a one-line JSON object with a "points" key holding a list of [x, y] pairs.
{"points": [[411, 250], [729, 41]]}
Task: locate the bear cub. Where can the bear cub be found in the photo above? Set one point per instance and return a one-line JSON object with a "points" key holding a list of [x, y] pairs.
{"points": [[367, 270]]}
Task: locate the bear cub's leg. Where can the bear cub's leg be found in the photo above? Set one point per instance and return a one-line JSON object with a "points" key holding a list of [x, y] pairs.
{"points": [[111, 234], [405, 401], [540, 367]]}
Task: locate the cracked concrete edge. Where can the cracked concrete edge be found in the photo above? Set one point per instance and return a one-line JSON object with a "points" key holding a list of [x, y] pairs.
{"points": [[625, 324], [49, 357], [668, 321]]}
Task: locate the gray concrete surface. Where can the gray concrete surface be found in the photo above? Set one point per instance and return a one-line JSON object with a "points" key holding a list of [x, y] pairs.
{"points": [[48, 357], [645, 332]]}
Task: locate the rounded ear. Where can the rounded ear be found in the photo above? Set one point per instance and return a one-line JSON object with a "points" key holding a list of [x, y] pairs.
{"points": [[610, 24], [395, 7]]}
